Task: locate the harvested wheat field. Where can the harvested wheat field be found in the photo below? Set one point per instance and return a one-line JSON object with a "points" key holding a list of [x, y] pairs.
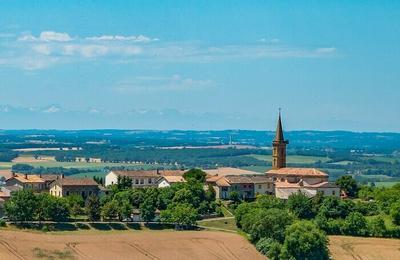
{"points": [[364, 248], [128, 245]]}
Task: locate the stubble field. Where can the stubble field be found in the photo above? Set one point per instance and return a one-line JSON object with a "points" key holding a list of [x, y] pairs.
{"points": [[140, 245]]}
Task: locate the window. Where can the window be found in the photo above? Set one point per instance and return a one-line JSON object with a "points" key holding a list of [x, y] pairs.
{"points": [[149, 180], [90, 192], [268, 185], [67, 193], [333, 192], [141, 181], [136, 181], [259, 186], [322, 192]]}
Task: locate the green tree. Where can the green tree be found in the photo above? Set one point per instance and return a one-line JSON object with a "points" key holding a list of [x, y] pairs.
{"points": [[147, 210], [355, 224], [51, 208], [75, 203], [304, 240], [269, 223], [93, 208], [300, 205], [109, 210], [60, 210], [22, 206], [395, 213], [333, 207], [45, 207], [348, 184], [183, 215], [234, 196], [377, 227], [269, 202], [243, 209], [196, 174]]}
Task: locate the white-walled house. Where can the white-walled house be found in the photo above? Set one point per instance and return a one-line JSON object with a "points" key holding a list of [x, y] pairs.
{"points": [[167, 181], [141, 179]]}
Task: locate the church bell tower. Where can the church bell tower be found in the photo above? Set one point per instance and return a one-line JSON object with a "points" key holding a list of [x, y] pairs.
{"points": [[279, 147]]}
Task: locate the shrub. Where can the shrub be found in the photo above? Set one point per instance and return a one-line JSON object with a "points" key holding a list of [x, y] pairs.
{"points": [[355, 224], [377, 227], [269, 247], [2, 223], [300, 205], [395, 213]]}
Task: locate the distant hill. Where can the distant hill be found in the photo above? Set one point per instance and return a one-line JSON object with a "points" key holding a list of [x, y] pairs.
{"points": [[368, 142]]}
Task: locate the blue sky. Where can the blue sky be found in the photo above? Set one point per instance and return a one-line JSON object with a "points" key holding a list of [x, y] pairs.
{"points": [[200, 64]]}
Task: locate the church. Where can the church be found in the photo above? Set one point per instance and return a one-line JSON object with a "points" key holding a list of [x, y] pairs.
{"points": [[289, 180]]}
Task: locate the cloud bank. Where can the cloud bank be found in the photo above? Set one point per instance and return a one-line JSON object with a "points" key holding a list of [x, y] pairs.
{"points": [[49, 48]]}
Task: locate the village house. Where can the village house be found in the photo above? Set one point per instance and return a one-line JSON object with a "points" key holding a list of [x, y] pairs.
{"points": [[230, 171], [27, 181], [140, 178], [64, 187], [167, 181], [247, 187], [5, 191]]}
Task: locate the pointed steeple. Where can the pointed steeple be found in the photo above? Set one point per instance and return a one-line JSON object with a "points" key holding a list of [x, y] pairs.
{"points": [[279, 146], [279, 131]]}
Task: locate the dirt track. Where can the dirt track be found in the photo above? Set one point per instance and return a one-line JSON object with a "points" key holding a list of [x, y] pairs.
{"points": [[346, 248], [132, 245]]}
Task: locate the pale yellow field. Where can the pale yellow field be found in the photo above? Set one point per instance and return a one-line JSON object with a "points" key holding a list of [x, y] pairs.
{"points": [[347, 248], [126, 245]]}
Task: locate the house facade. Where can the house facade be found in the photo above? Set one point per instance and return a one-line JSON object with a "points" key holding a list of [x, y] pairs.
{"points": [[141, 179], [27, 181], [167, 181], [247, 187], [65, 187]]}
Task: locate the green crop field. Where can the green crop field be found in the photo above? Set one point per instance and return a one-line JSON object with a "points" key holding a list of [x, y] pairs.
{"points": [[386, 159]]}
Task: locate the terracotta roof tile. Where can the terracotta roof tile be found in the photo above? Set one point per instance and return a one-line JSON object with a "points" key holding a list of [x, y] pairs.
{"points": [[76, 182], [229, 171], [310, 172]]}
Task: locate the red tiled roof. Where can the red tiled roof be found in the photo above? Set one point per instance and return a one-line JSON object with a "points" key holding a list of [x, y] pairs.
{"points": [[76, 182], [309, 172], [149, 173]]}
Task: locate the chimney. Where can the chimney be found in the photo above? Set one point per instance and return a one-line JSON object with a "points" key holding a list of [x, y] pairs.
{"points": [[158, 171], [62, 176], [13, 174], [40, 175], [26, 176]]}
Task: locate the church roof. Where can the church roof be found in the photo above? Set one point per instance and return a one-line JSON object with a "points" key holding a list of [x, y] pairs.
{"points": [[309, 172]]}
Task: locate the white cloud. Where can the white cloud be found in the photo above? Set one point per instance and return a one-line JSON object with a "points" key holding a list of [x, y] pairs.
{"points": [[274, 40], [42, 49], [31, 52], [54, 36], [170, 83], [326, 50], [46, 36], [51, 109], [139, 38]]}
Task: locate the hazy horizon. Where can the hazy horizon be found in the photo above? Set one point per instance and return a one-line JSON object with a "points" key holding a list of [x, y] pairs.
{"points": [[200, 65]]}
